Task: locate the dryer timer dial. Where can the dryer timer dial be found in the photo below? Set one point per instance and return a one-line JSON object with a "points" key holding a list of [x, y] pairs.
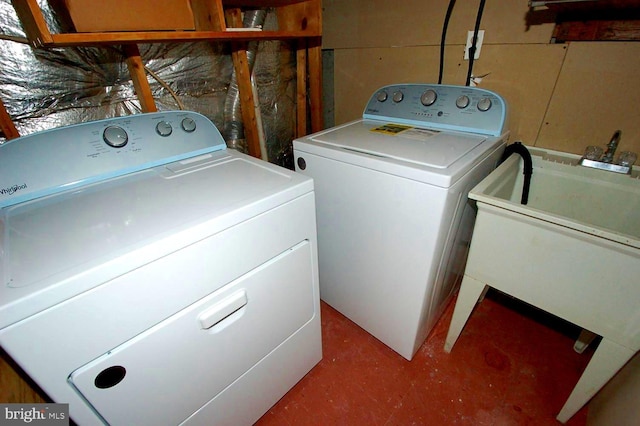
{"points": [[115, 136]]}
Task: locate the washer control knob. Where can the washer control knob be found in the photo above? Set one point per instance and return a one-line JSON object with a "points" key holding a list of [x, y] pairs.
{"points": [[398, 96], [163, 128], [462, 102], [429, 97], [382, 96], [484, 104], [115, 136], [188, 125]]}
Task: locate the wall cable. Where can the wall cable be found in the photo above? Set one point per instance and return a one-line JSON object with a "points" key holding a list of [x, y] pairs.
{"points": [[445, 25], [164, 84], [472, 49]]}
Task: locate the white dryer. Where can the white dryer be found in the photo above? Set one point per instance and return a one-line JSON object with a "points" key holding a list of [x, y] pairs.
{"points": [[394, 221], [151, 276]]}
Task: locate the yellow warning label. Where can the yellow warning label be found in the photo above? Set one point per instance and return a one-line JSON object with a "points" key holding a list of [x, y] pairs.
{"points": [[391, 129]]}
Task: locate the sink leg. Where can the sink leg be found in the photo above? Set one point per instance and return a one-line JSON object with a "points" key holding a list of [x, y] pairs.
{"points": [[584, 340], [471, 290], [605, 363]]}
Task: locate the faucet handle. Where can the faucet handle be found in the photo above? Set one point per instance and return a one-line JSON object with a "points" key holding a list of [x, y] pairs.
{"points": [[593, 152], [627, 158]]}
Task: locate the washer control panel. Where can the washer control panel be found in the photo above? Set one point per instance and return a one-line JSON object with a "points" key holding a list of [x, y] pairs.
{"points": [[437, 106], [67, 157]]}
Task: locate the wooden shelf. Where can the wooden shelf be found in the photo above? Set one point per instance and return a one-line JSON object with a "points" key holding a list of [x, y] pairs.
{"points": [[297, 19], [214, 20], [101, 39]]}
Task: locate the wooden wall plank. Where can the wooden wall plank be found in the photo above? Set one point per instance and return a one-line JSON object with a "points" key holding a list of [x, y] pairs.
{"points": [[527, 96], [595, 95], [381, 23]]}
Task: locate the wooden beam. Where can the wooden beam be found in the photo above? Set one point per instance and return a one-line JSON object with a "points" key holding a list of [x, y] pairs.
{"points": [[301, 16], [605, 30], [208, 15], [247, 103], [33, 22], [139, 78], [243, 77], [315, 83], [6, 124], [301, 89]]}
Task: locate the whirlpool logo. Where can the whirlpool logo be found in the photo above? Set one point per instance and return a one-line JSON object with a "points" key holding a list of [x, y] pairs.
{"points": [[13, 189]]}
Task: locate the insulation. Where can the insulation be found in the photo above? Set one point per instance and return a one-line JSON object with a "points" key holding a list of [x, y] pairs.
{"points": [[47, 88]]}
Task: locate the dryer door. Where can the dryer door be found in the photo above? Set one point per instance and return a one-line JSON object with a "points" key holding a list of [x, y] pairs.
{"points": [[171, 370]]}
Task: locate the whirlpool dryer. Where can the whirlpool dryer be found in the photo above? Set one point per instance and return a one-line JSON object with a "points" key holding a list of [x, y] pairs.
{"points": [[394, 222], [153, 277]]}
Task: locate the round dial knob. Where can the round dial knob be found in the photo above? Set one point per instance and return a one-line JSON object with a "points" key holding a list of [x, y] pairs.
{"points": [[382, 96], [398, 96], [163, 128], [115, 136], [462, 102], [188, 125], [429, 97], [484, 104]]}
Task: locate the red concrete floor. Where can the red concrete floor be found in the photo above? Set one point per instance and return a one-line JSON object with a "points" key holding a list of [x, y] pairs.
{"points": [[510, 366]]}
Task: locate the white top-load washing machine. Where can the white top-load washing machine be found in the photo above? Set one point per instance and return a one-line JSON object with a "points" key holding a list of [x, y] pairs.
{"points": [[153, 277], [394, 222]]}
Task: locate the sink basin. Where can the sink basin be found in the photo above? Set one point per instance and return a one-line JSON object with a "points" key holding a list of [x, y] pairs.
{"points": [[573, 251], [596, 202]]}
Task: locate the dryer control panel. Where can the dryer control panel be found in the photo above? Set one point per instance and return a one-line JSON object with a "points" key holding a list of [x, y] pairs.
{"points": [[67, 157], [439, 107]]}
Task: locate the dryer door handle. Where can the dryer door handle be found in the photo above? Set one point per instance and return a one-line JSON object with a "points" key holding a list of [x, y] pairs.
{"points": [[222, 309]]}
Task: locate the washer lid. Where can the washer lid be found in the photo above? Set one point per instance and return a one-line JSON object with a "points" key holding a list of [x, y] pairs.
{"points": [[421, 146]]}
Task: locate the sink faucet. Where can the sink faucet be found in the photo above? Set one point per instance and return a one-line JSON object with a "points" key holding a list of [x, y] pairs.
{"points": [[594, 158], [611, 147]]}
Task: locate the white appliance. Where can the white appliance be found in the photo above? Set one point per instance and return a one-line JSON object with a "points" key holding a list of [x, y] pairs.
{"points": [[151, 276], [394, 221]]}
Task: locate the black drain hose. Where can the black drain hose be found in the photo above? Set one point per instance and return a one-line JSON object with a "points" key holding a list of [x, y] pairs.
{"points": [[527, 170]]}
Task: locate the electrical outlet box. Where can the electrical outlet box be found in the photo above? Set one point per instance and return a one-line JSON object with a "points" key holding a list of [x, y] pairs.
{"points": [[470, 42]]}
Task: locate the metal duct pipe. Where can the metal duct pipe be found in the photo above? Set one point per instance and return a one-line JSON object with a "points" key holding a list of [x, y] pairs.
{"points": [[233, 131]]}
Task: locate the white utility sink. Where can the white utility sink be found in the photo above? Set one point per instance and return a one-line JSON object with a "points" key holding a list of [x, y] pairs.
{"points": [[573, 251]]}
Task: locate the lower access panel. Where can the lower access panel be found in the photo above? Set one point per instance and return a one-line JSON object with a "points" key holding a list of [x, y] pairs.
{"points": [[213, 343]]}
